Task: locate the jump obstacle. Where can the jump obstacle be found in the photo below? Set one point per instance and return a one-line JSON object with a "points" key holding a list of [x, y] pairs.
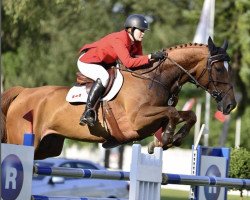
{"points": [[145, 176]]}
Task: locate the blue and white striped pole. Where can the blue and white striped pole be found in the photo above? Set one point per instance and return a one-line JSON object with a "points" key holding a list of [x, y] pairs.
{"points": [[39, 197], [81, 173], [192, 180], [179, 179]]}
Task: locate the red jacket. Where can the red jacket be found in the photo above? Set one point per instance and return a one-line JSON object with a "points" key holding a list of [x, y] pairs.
{"points": [[113, 47]]}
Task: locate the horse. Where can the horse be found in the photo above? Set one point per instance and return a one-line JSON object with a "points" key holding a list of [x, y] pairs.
{"points": [[144, 105]]}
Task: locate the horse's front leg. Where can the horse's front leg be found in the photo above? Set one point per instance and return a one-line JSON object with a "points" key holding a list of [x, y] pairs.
{"points": [[169, 117], [168, 132], [189, 118]]}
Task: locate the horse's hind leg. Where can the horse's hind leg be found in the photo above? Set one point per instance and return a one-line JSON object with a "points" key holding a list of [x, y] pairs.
{"points": [[190, 118]]}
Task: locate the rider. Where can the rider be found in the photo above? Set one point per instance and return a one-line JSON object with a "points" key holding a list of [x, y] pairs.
{"points": [[95, 57]]}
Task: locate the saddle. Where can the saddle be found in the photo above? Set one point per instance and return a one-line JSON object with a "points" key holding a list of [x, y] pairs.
{"points": [[115, 137], [88, 82]]}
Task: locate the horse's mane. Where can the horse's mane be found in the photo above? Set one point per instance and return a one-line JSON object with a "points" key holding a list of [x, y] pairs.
{"points": [[180, 46]]}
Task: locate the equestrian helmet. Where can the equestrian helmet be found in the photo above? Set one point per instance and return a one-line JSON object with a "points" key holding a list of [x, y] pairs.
{"points": [[136, 21]]}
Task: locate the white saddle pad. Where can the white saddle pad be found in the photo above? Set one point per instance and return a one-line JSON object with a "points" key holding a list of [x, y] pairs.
{"points": [[78, 94]]}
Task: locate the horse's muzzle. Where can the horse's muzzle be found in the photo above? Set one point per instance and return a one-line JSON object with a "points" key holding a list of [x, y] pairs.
{"points": [[226, 106]]}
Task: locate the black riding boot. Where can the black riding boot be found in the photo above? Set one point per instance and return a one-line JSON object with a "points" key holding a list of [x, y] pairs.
{"points": [[89, 116]]}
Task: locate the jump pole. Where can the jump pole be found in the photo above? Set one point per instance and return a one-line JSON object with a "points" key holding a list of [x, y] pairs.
{"points": [[166, 178]]}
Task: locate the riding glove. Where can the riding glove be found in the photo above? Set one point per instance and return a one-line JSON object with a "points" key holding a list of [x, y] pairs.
{"points": [[159, 55]]}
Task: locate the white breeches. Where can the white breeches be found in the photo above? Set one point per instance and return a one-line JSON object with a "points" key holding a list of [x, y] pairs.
{"points": [[94, 72]]}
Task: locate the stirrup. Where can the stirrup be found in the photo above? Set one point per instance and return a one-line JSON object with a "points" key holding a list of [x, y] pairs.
{"points": [[88, 120]]}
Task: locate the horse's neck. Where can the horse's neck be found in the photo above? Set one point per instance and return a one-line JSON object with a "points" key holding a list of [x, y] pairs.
{"points": [[163, 77], [191, 58]]}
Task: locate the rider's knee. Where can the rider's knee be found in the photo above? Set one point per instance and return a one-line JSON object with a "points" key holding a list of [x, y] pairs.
{"points": [[104, 79]]}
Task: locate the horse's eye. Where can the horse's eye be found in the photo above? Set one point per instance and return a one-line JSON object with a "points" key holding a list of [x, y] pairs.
{"points": [[219, 68]]}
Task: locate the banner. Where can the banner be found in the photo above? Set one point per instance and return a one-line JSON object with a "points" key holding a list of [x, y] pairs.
{"points": [[206, 24]]}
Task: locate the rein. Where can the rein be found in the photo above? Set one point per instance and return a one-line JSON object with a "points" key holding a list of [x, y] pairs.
{"points": [[142, 75], [194, 80], [211, 60]]}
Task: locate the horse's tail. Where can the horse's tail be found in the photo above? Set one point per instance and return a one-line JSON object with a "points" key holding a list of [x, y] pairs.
{"points": [[7, 97]]}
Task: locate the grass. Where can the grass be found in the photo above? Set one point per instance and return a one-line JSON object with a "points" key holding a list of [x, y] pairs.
{"points": [[167, 194]]}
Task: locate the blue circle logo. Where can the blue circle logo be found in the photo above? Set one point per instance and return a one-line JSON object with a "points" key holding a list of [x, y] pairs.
{"points": [[12, 177], [212, 192]]}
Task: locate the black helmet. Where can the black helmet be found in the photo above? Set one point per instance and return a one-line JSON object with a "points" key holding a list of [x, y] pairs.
{"points": [[136, 21]]}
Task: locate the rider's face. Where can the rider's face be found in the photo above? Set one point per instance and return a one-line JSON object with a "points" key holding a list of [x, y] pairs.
{"points": [[138, 34]]}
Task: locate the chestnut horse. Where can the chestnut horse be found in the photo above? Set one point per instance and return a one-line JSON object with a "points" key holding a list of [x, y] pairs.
{"points": [[144, 105]]}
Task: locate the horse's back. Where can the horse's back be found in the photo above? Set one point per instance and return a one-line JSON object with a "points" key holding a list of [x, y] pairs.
{"points": [[43, 90]]}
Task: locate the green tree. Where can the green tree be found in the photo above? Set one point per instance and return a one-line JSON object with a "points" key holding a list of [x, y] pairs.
{"points": [[232, 22], [239, 164], [47, 46], [41, 39]]}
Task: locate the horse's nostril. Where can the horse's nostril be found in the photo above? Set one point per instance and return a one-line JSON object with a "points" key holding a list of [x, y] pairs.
{"points": [[230, 107]]}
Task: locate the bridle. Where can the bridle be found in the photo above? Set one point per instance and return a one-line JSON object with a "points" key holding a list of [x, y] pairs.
{"points": [[216, 94]]}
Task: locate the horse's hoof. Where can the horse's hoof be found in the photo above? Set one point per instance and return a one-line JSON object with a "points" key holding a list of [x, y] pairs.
{"points": [[177, 141], [164, 179], [151, 147], [177, 144], [167, 138], [168, 146]]}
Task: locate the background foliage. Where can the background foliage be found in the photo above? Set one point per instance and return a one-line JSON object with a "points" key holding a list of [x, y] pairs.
{"points": [[239, 164], [41, 39]]}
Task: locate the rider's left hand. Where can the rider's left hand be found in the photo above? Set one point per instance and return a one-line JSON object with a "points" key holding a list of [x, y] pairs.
{"points": [[159, 55]]}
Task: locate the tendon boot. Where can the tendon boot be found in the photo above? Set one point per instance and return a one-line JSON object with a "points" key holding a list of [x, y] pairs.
{"points": [[89, 116]]}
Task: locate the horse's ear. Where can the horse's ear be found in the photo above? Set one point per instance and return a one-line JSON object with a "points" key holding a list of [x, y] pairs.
{"points": [[225, 45], [211, 45]]}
